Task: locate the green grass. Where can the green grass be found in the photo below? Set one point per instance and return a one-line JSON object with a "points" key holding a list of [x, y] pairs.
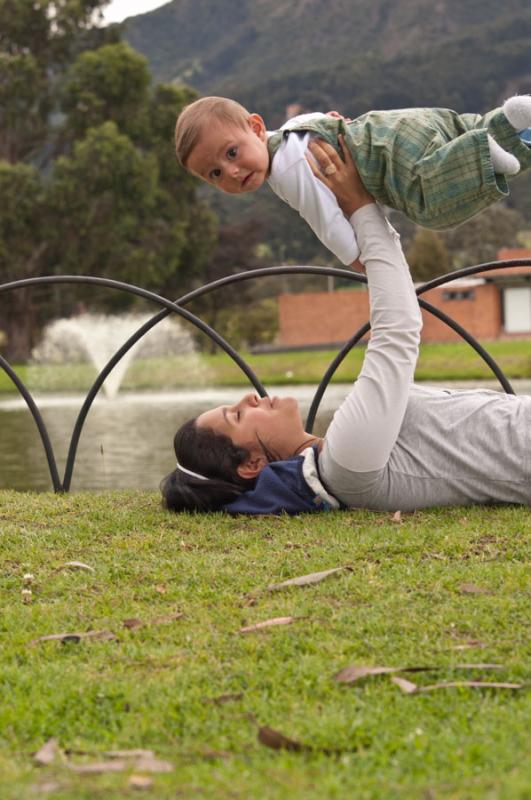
{"points": [[455, 361], [400, 605]]}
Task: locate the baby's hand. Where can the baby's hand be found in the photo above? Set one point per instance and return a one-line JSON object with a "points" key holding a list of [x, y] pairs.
{"points": [[337, 115], [341, 177]]}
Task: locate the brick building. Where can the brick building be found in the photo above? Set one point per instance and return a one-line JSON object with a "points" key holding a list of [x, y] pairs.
{"points": [[495, 305]]}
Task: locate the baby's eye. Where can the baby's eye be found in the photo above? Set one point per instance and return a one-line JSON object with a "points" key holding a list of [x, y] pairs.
{"points": [[238, 416], [232, 152], [214, 174]]}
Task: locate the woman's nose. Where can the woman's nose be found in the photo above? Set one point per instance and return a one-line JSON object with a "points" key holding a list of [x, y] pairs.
{"points": [[251, 399]]}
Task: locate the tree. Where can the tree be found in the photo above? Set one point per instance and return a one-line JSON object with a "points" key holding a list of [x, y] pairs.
{"points": [[479, 239], [107, 84], [23, 250], [427, 256], [234, 252], [37, 41], [255, 323], [89, 140], [132, 209], [104, 195]]}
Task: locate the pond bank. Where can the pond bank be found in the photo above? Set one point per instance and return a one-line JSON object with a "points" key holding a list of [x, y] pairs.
{"points": [[200, 370]]}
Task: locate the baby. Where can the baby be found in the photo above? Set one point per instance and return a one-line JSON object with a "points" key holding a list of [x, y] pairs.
{"points": [[438, 167]]}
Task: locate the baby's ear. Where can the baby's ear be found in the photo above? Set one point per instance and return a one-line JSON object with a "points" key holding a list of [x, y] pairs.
{"points": [[257, 125]]}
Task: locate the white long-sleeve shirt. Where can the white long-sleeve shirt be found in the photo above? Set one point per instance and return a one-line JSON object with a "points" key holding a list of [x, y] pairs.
{"points": [[294, 182], [393, 445]]}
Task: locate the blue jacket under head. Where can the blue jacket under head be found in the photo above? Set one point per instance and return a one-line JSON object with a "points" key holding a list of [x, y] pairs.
{"points": [[290, 487]]}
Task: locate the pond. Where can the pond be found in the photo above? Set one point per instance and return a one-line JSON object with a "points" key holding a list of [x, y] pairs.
{"points": [[127, 441]]}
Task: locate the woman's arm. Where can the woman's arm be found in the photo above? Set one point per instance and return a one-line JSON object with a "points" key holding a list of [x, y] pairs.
{"points": [[365, 427]]}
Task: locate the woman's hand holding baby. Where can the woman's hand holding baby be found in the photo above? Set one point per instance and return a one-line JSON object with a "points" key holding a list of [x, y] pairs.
{"points": [[341, 177]]}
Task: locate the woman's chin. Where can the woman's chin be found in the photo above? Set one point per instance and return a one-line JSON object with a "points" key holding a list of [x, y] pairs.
{"points": [[283, 402]]}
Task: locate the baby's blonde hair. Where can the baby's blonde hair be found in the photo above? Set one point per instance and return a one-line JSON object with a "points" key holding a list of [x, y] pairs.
{"points": [[193, 116]]}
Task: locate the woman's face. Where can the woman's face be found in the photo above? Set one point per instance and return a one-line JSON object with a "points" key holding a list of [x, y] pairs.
{"points": [[276, 422]]}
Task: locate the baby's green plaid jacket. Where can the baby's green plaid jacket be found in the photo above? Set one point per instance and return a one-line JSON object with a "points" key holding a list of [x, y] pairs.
{"points": [[431, 163]]}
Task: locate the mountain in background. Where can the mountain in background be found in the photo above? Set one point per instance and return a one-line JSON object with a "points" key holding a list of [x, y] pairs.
{"points": [[350, 54]]}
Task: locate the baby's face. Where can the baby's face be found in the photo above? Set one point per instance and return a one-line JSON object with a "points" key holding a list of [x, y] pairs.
{"points": [[232, 158]]}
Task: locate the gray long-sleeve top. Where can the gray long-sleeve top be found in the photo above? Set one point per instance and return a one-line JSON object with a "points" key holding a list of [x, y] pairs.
{"points": [[393, 445]]}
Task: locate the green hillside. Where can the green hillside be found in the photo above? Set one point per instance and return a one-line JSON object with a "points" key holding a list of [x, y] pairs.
{"points": [[357, 54]]}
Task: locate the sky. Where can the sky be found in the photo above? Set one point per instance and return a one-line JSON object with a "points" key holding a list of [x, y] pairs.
{"points": [[117, 10]]}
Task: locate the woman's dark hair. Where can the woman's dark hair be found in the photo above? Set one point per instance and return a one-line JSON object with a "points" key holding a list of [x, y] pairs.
{"points": [[212, 455]]}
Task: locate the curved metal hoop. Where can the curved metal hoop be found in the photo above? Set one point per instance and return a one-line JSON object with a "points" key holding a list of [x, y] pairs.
{"points": [[176, 307]]}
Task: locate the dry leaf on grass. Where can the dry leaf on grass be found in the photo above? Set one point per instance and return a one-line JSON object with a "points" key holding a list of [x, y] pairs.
{"points": [[135, 622], [74, 637], [74, 565], [474, 685], [47, 787], [355, 672], [150, 764], [167, 618], [98, 767], [277, 741], [47, 753], [138, 753], [412, 688], [132, 622], [397, 516], [468, 645], [471, 588], [306, 580], [213, 755], [224, 698], [407, 686], [140, 782], [268, 623]]}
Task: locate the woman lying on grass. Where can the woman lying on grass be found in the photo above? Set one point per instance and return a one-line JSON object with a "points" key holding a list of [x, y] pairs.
{"points": [[391, 445]]}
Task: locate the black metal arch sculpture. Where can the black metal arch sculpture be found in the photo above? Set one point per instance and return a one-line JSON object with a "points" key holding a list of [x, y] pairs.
{"points": [[176, 307]]}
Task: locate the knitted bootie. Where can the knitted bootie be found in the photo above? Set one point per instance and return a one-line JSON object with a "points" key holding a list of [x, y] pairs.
{"points": [[517, 109], [504, 163]]}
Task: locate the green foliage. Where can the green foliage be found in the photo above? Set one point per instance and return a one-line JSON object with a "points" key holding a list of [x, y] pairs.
{"points": [[23, 106], [107, 84], [104, 194], [427, 256], [479, 239], [37, 39], [158, 685], [253, 324], [23, 250], [21, 220]]}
